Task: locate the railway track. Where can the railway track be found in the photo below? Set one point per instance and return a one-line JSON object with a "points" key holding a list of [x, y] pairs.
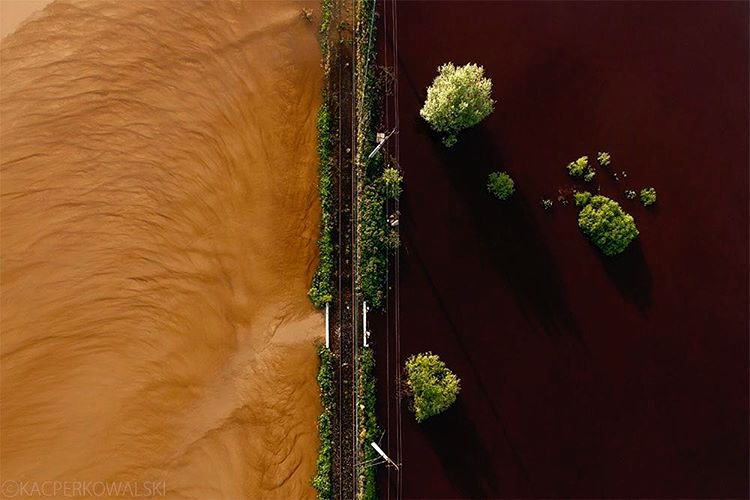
{"points": [[345, 305]]}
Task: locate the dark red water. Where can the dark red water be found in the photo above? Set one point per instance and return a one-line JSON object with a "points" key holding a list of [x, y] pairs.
{"points": [[582, 376]]}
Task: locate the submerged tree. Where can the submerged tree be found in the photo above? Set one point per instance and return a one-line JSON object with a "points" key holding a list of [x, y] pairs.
{"points": [[581, 198], [501, 185], [459, 98], [607, 225], [581, 169], [648, 196], [433, 386]]}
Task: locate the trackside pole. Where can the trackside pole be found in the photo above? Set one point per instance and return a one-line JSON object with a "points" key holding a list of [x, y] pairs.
{"points": [[382, 454], [364, 323], [328, 328]]}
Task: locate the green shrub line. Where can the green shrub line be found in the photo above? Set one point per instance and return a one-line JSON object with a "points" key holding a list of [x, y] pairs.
{"points": [[322, 481], [368, 427], [373, 188], [321, 289], [374, 185]]}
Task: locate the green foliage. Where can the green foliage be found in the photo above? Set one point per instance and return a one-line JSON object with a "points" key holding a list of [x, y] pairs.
{"points": [[433, 386], [648, 196], [372, 225], [603, 158], [501, 185], [547, 204], [392, 182], [630, 194], [322, 479], [373, 232], [394, 240], [581, 169], [321, 290], [368, 430], [607, 226], [582, 198], [459, 98]]}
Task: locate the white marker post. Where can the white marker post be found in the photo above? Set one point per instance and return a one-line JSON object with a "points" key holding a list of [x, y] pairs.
{"points": [[328, 329], [382, 454], [364, 323]]}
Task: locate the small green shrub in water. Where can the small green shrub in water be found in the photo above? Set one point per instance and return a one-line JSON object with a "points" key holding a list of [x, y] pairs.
{"points": [[581, 198], [459, 98], [392, 182], [501, 185], [433, 386], [603, 158], [608, 227], [581, 169], [648, 196]]}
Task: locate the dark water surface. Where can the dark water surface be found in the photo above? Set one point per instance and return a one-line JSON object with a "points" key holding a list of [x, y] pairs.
{"points": [[582, 376]]}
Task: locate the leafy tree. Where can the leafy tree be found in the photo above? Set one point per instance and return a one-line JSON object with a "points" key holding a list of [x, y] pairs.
{"points": [[648, 196], [392, 182], [607, 225], [582, 198], [458, 98], [581, 169], [501, 185], [603, 158], [432, 384]]}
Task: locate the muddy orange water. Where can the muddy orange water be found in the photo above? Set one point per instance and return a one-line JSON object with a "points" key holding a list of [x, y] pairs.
{"points": [[158, 225]]}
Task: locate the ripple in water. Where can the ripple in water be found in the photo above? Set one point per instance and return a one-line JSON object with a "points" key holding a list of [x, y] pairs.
{"points": [[159, 219]]}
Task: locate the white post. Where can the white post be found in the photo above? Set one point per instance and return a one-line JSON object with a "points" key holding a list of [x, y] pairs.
{"points": [[364, 322], [328, 329], [382, 454]]}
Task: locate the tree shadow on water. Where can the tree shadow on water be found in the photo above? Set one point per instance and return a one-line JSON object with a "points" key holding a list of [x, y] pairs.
{"points": [[511, 235], [462, 453], [631, 276]]}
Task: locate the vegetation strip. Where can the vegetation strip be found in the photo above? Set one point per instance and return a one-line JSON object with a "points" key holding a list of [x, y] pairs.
{"points": [[321, 290], [323, 477]]}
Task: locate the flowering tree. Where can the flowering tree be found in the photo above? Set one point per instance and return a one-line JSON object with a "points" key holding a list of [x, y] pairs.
{"points": [[458, 98]]}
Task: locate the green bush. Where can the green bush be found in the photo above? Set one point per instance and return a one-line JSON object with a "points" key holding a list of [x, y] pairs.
{"points": [[603, 158], [373, 245], [582, 198], [648, 196], [501, 185], [581, 169], [392, 182], [459, 98], [433, 386], [323, 475], [607, 225]]}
